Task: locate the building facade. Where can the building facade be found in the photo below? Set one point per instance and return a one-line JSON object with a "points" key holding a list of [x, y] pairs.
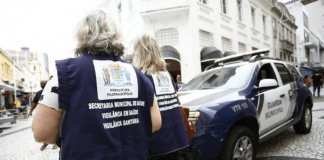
{"points": [[7, 79], [284, 32], [193, 33], [24, 56], [309, 33]]}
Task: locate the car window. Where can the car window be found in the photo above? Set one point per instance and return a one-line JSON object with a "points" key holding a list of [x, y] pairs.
{"points": [[284, 73], [227, 77], [293, 69], [266, 72]]}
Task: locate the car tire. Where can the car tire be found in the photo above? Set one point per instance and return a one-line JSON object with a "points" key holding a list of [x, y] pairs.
{"points": [[304, 125], [240, 142]]}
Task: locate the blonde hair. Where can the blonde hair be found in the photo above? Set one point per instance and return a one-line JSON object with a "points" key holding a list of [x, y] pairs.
{"points": [[97, 33], [147, 55]]}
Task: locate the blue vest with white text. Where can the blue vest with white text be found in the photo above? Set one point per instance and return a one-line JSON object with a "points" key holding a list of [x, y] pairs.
{"points": [[107, 109], [172, 136]]}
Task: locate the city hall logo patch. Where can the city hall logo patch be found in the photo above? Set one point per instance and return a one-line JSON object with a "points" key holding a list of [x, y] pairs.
{"points": [[115, 80], [162, 80], [116, 75], [163, 83]]}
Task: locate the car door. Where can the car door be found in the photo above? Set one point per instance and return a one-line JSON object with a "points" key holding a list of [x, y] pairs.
{"points": [[291, 89], [272, 101]]}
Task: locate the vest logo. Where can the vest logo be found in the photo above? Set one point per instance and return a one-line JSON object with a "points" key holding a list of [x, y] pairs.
{"points": [[163, 83], [162, 80], [115, 74], [115, 80]]}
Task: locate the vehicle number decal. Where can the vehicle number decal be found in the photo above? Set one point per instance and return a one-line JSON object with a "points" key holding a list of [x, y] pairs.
{"points": [[239, 107]]}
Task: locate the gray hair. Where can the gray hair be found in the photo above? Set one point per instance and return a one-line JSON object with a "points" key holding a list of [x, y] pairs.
{"points": [[97, 33], [147, 55]]}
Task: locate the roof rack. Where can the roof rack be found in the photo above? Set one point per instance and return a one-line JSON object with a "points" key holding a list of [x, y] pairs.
{"points": [[251, 56]]}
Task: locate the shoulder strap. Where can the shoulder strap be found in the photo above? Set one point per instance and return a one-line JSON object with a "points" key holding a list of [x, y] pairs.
{"points": [[63, 84]]}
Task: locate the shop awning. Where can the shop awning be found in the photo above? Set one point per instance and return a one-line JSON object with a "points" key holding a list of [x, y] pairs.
{"points": [[210, 54], [170, 53], [7, 87]]}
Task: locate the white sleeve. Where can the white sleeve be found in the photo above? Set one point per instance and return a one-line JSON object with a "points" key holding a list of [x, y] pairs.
{"points": [[50, 93]]}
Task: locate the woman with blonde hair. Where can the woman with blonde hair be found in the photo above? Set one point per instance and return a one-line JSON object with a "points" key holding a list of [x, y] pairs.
{"points": [[172, 136], [109, 106]]}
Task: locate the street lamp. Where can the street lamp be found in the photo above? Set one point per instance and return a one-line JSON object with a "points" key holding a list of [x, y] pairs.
{"points": [[31, 90]]}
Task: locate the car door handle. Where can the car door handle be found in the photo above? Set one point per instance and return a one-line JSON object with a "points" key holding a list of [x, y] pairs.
{"points": [[283, 95]]}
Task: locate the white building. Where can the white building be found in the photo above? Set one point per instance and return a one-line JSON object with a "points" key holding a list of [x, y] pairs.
{"points": [[284, 32], [309, 17], [43, 59], [184, 27]]}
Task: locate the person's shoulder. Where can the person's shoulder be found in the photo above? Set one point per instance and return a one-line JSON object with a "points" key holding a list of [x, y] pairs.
{"points": [[39, 92]]}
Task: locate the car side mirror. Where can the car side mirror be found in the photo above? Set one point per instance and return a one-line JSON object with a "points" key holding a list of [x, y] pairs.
{"points": [[266, 84]]}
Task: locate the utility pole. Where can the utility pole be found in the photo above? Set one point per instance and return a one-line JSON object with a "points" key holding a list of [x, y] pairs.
{"points": [[278, 30], [15, 85]]}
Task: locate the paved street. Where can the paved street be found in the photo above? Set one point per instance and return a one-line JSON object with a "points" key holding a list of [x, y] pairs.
{"points": [[17, 142]]}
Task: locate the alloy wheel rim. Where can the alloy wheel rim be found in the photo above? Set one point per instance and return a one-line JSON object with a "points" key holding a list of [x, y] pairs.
{"points": [[243, 149], [308, 118]]}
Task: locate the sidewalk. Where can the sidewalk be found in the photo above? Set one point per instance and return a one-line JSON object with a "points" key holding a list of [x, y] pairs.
{"points": [[318, 101]]}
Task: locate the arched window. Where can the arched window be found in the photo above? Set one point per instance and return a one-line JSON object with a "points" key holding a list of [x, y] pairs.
{"points": [[34, 68], [167, 37], [205, 39]]}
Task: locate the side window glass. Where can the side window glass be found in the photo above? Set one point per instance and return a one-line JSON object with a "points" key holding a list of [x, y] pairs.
{"points": [[284, 73], [294, 71], [266, 72]]}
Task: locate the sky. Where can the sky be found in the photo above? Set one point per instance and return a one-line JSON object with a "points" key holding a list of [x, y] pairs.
{"points": [[45, 26]]}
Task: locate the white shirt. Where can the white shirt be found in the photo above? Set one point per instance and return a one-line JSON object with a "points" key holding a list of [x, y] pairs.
{"points": [[50, 93]]}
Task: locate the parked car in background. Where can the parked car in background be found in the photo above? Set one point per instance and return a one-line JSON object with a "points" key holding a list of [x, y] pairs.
{"points": [[241, 101]]}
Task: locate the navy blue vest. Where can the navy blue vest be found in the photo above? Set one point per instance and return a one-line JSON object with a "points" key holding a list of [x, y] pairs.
{"points": [[172, 136], [107, 103]]}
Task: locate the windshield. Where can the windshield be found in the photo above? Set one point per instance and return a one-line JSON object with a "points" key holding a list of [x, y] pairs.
{"points": [[227, 77]]}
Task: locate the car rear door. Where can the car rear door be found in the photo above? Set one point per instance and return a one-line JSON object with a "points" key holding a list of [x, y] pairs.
{"points": [[290, 87]]}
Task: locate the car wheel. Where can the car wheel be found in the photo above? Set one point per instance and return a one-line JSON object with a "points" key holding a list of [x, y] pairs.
{"points": [[304, 125], [239, 144]]}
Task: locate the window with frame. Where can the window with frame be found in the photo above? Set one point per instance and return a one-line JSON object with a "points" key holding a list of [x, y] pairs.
{"points": [[205, 39], [289, 35], [242, 47], [284, 74], [223, 6], [226, 44], [253, 16], [274, 27], [264, 18], [281, 55], [266, 72], [294, 72], [203, 1], [305, 18], [306, 36], [167, 37], [283, 32], [254, 48], [34, 68], [239, 10]]}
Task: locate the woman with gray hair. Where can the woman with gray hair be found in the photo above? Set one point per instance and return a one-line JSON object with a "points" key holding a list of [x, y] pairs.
{"points": [[96, 105], [172, 136]]}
